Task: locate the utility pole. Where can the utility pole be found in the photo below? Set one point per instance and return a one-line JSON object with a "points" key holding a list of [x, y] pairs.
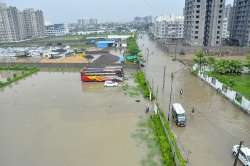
{"points": [[237, 155], [170, 97], [175, 50], [164, 77]]}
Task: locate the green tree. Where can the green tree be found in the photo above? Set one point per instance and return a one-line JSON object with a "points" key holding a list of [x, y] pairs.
{"points": [[228, 67], [248, 60], [211, 61], [132, 46], [200, 58]]}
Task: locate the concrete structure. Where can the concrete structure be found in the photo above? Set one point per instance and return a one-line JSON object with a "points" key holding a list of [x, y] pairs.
{"points": [[56, 30], [18, 25], [203, 22], [240, 25], [168, 27]]}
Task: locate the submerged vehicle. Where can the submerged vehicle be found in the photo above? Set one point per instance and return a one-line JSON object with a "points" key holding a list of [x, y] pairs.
{"points": [[102, 74], [179, 114], [244, 154]]}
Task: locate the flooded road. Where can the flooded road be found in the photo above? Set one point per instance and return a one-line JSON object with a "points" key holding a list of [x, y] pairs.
{"points": [[53, 119], [215, 126]]}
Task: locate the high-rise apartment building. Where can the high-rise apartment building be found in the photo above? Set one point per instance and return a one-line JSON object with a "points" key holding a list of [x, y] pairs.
{"points": [[240, 23], [5, 29], [33, 23], [17, 25], [203, 22]]}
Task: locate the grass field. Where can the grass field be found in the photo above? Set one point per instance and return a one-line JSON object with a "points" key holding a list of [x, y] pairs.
{"points": [[239, 83]]}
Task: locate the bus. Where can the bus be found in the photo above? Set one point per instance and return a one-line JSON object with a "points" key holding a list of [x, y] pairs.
{"points": [[102, 74]]}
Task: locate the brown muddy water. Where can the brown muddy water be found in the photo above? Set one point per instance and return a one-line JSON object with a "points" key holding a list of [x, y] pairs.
{"points": [[53, 119]]}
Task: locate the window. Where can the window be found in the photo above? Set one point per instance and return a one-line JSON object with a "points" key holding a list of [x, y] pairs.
{"points": [[196, 37]]}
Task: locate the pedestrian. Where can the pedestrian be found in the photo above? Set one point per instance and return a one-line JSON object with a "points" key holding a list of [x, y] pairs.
{"points": [[193, 110], [147, 110], [181, 92]]}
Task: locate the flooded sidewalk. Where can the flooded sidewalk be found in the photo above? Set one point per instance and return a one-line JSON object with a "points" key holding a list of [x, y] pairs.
{"points": [[53, 119]]}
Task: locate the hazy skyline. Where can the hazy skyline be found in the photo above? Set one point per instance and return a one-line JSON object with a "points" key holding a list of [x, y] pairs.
{"points": [[64, 11]]}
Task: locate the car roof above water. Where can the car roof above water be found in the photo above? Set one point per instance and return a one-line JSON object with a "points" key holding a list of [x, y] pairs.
{"points": [[245, 150], [178, 108]]}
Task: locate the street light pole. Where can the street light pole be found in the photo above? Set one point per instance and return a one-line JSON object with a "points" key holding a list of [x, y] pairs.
{"points": [[164, 77], [170, 97]]}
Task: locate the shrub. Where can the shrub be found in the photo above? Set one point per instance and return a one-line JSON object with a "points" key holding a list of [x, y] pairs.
{"points": [[143, 84]]}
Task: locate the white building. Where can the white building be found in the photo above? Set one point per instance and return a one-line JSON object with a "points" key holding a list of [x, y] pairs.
{"points": [[225, 31], [226, 21], [168, 27], [56, 30]]}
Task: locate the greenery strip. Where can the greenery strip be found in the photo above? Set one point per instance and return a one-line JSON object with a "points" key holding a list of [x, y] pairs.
{"points": [[26, 71]]}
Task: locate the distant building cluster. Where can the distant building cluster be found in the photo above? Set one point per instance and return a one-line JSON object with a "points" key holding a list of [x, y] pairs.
{"points": [[143, 20], [168, 27], [56, 30], [16, 25]]}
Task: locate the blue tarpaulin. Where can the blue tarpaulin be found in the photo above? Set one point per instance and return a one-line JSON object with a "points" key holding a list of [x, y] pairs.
{"points": [[121, 59], [104, 44]]}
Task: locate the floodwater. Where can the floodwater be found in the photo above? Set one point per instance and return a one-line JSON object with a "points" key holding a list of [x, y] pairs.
{"points": [[53, 119], [215, 126]]}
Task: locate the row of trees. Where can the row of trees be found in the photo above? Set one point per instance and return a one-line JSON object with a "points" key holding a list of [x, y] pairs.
{"points": [[220, 66], [132, 48]]}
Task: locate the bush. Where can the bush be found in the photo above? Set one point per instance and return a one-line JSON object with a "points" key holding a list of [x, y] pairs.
{"points": [[228, 67], [143, 84]]}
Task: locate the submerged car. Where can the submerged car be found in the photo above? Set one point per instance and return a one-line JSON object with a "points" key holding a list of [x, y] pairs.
{"points": [[110, 84], [179, 114], [244, 154]]}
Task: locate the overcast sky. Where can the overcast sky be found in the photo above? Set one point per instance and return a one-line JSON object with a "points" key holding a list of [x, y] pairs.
{"points": [[67, 11]]}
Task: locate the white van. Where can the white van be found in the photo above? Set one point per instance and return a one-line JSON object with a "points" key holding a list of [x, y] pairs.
{"points": [[179, 114]]}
